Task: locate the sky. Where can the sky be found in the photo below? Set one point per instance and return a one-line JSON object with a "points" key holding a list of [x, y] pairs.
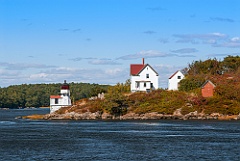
{"points": [[95, 41]]}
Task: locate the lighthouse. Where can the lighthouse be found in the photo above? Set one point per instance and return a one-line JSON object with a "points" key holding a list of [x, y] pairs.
{"points": [[61, 100]]}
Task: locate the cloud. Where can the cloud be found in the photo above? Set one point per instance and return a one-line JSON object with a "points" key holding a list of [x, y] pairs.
{"points": [[149, 32], [223, 55], [23, 66], [100, 76], [221, 19], [80, 58], [202, 37], [64, 29], [229, 44], [186, 56], [235, 39], [150, 54], [96, 61], [210, 38], [70, 30], [103, 62], [214, 39], [185, 50], [192, 15], [76, 30], [163, 41], [145, 54], [155, 9]]}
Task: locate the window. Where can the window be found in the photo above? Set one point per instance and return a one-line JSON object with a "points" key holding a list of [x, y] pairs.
{"points": [[144, 84], [147, 75], [137, 84], [178, 77], [151, 85], [56, 100]]}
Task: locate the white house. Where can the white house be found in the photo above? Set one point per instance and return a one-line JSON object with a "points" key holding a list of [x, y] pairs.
{"points": [[61, 100], [143, 77], [174, 80]]}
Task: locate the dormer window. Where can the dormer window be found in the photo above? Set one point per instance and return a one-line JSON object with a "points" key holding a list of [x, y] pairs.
{"points": [[179, 77], [147, 75]]}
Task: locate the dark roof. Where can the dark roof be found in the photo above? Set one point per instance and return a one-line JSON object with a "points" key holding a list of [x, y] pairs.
{"points": [[207, 82], [173, 75]]}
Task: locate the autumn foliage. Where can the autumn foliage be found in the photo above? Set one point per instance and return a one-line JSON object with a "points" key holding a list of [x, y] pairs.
{"points": [[226, 100]]}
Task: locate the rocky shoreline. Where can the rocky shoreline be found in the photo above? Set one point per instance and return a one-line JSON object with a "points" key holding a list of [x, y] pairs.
{"points": [[133, 116]]}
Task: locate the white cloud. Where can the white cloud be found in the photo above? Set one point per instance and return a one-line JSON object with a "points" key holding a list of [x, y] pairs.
{"points": [[200, 38], [185, 50], [146, 54], [103, 62], [115, 71], [235, 39], [23, 66], [215, 39], [151, 54], [38, 76]]}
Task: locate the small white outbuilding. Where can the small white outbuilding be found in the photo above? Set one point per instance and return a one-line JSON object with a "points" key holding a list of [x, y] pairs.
{"points": [[173, 80]]}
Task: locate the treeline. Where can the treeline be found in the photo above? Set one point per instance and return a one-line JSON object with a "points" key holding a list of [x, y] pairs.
{"points": [[224, 74], [37, 95]]}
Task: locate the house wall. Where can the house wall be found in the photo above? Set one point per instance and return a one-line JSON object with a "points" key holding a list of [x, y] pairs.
{"points": [[141, 78], [174, 81], [63, 101], [208, 90]]}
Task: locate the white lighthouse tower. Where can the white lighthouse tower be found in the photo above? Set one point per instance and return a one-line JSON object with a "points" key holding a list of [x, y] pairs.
{"points": [[61, 100]]}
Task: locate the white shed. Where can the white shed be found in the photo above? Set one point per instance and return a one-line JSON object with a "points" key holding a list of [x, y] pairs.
{"points": [[173, 81]]}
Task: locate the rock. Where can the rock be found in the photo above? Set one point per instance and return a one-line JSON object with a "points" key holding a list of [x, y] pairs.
{"points": [[191, 116], [106, 116], [177, 112], [238, 117]]}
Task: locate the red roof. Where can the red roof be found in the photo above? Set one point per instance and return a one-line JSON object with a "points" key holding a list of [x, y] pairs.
{"points": [[55, 96], [136, 68]]}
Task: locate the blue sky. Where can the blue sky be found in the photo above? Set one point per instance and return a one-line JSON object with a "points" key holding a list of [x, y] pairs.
{"points": [[95, 41]]}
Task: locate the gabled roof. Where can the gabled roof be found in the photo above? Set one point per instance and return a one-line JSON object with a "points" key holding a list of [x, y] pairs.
{"points": [[208, 81], [145, 67], [175, 74], [136, 69]]}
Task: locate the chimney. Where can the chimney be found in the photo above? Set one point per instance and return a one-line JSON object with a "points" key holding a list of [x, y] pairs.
{"points": [[143, 61]]}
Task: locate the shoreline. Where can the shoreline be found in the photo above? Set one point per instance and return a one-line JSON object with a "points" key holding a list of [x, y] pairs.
{"points": [[131, 116]]}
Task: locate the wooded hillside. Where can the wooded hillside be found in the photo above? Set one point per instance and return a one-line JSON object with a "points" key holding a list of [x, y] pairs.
{"points": [[37, 95]]}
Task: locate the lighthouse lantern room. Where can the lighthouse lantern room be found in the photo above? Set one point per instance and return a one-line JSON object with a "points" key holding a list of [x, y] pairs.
{"points": [[61, 100]]}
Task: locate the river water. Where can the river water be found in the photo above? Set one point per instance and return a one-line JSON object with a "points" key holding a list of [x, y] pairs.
{"points": [[116, 140]]}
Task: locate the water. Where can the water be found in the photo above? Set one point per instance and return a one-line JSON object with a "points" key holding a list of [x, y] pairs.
{"points": [[116, 140]]}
